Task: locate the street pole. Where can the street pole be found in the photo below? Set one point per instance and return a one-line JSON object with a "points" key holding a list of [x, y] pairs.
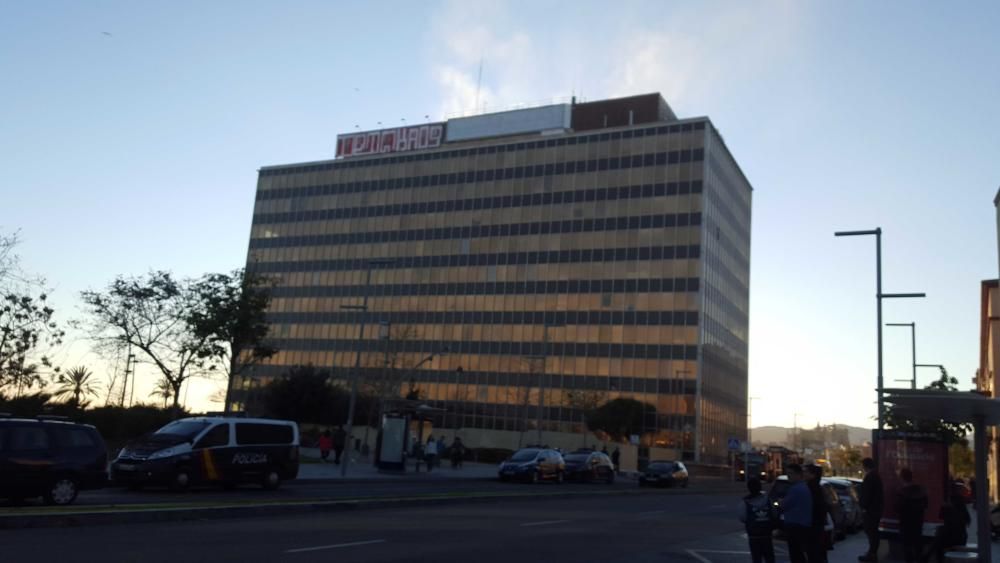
{"points": [[356, 375], [913, 342], [541, 377], [879, 296]]}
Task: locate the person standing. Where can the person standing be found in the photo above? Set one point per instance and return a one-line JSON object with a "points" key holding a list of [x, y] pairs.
{"points": [[954, 528], [442, 447], [339, 441], [797, 508], [819, 541], [325, 445], [615, 457], [430, 452], [871, 503], [911, 503], [759, 517], [457, 453]]}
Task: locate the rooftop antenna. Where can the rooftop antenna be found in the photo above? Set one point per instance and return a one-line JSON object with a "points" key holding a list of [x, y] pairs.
{"points": [[479, 82]]}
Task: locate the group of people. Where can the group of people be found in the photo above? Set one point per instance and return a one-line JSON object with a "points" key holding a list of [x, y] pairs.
{"points": [[435, 451], [808, 525], [335, 441]]}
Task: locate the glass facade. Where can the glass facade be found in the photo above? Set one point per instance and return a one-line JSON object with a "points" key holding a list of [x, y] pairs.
{"points": [[614, 260]]}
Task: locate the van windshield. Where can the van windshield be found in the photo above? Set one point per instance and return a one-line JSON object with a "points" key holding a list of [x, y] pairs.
{"points": [[184, 428]]}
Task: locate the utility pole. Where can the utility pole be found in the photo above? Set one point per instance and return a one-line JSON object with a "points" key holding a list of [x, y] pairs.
{"points": [[879, 296], [356, 374], [913, 343], [129, 361], [541, 376]]}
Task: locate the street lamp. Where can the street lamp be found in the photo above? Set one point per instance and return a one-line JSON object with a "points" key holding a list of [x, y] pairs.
{"points": [[357, 357], [913, 335], [878, 305], [541, 377]]}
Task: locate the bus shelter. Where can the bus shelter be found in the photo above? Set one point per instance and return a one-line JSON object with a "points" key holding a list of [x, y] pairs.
{"points": [[958, 407]]}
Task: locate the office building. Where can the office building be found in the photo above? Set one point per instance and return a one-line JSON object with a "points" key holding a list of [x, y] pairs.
{"points": [[600, 246]]}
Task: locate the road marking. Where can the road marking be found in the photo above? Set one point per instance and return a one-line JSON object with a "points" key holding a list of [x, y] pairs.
{"points": [[334, 546], [651, 512], [694, 554], [543, 523]]}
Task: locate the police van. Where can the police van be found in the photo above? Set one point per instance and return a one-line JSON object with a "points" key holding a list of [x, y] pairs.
{"points": [[223, 450]]}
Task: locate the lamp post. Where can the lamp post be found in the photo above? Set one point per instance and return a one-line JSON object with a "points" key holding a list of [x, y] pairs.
{"points": [[913, 336], [541, 376], [879, 296], [355, 375]]}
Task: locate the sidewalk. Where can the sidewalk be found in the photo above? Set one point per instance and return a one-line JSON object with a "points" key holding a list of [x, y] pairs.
{"points": [[360, 468], [732, 548]]}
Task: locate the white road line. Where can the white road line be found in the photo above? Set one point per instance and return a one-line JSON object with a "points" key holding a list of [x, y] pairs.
{"points": [[543, 523], [334, 546], [724, 552], [694, 554], [650, 512]]}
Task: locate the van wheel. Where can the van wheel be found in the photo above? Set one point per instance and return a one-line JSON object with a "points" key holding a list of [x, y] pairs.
{"points": [[272, 480], [61, 492], [181, 481]]}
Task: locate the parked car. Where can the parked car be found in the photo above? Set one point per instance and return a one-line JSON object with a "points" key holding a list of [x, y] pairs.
{"points": [[50, 457], [533, 465], [964, 491], [847, 494], [665, 474], [590, 466], [780, 488], [211, 449]]}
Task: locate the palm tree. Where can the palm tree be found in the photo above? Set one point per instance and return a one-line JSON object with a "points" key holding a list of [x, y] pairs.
{"points": [[78, 382], [165, 390]]}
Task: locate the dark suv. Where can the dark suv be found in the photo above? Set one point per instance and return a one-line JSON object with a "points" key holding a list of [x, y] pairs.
{"points": [[51, 458]]}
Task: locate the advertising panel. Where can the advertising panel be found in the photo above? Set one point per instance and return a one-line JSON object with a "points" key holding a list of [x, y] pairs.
{"points": [[926, 455], [392, 446], [398, 139], [531, 120]]}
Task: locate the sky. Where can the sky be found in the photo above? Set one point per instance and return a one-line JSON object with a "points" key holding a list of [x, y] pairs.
{"points": [[131, 134]]}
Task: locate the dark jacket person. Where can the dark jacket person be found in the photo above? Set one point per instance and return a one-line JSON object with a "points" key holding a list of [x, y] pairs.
{"points": [[872, 502], [911, 503]]}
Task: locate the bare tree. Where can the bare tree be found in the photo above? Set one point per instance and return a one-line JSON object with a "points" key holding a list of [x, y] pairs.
{"points": [[151, 314]]}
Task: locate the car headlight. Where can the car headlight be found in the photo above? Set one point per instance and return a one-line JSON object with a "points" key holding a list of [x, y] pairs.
{"points": [[163, 453]]}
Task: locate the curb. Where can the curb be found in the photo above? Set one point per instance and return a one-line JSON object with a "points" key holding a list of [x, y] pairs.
{"points": [[151, 514]]}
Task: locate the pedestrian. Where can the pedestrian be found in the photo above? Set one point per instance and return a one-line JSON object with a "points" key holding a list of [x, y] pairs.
{"points": [[797, 509], [953, 530], [442, 449], [615, 457], [819, 541], [325, 445], [759, 516], [871, 503], [339, 441], [911, 502], [430, 452], [457, 453]]}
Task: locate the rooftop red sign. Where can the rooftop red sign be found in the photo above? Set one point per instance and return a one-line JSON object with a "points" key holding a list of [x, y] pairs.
{"points": [[399, 139]]}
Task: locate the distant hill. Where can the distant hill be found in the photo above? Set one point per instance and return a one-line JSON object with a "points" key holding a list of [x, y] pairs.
{"points": [[781, 436]]}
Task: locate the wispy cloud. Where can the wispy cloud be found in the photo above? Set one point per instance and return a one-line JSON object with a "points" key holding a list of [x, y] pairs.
{"points": [[687, 54]]}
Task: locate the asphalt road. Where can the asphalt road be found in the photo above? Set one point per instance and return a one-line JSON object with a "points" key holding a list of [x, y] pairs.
{"points": [[330, 490], [312, 490], [658, 526]]}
